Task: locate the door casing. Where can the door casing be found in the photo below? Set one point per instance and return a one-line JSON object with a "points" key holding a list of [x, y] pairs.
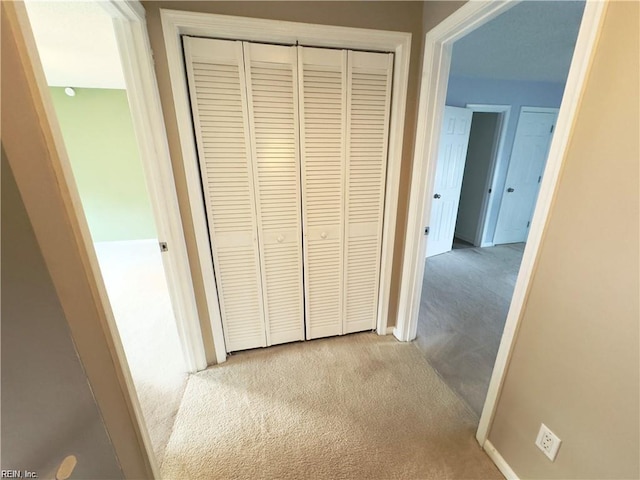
{"points": [[178, 23], [69, 253], [503, 111], [436, 65]]}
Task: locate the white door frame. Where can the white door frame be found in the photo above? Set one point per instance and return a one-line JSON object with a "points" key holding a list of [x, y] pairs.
{"points": [[503, 111], [148, 122], [91, 323], [436, 65], [178, 23]]}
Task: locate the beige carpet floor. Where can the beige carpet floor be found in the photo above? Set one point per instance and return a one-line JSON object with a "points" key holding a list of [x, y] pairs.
{"points": [[139, 296], [466, 295], [354, 407]]}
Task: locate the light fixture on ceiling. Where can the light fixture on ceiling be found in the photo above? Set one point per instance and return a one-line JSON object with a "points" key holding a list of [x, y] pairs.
{"points": [[70, 92]]}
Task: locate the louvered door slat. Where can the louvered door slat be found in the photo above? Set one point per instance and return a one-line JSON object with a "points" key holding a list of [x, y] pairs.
{"points": [[322, 83], [271, 75], [219, 106], [368, 102]]}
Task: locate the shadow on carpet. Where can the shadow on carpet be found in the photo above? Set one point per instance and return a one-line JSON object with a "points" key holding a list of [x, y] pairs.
{"points": [[354, 407]]}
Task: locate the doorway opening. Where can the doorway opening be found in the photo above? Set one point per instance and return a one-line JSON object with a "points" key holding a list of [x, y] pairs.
{"points": [[483, 138], [467, 293], [77, 46], [486, 145]]}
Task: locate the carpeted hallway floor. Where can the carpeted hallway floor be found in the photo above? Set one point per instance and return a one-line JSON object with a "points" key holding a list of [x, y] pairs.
{"points": [[465, 299], [354, 407], [139, 296]]}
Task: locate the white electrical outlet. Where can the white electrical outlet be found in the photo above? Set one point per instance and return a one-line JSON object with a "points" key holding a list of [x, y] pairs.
{"points": [[548, 442]]}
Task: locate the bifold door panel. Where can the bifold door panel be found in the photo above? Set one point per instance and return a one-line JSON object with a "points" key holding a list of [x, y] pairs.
{"points": [[323, 93], [368, 104], [292, 144], [216, 77], [272, 84]]}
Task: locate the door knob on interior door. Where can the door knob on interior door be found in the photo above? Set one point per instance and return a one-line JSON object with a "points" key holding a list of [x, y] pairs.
{"points": [[437, 196], [510, 190]]}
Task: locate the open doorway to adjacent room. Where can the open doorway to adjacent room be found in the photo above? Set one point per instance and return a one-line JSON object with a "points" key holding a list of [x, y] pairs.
{"points": [[80, 58], [505, 87]]}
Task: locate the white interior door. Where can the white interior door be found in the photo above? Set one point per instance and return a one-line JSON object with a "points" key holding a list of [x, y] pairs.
{"points": [[272, 91], [323, 94], [219, 106], [454, 140], [369, 77], [526, 167]]}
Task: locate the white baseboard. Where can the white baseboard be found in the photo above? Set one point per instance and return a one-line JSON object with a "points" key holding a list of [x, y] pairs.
{"points": [[465, 238], [500, 462], [396, 332], [486, 244], [390, 330]]}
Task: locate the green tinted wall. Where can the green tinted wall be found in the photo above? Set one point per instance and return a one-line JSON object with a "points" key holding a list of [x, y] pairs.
{"points": [[98, 132]]}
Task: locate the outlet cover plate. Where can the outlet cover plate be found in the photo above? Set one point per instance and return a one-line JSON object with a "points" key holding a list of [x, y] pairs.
{"points": [[548, 442]]}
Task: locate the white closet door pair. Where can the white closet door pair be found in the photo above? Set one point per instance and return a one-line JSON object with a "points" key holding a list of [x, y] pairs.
{"points": [[344, 110], [252, 147]]}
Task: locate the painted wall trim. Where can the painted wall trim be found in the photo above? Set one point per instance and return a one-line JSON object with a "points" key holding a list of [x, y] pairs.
{"points": [[437, 59], [433, 91], [177, 23], [43, 174], [499, 461], [525, 108], [497, 157], [588, 35], [146, 111]]}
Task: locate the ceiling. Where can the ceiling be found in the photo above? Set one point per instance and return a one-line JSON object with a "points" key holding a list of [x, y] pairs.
{"points": [[76, 43], [533, 41]]}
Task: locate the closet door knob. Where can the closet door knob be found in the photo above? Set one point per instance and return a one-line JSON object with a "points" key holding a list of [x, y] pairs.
{"points": [[280, 238], [437, 196], [323, 235]]}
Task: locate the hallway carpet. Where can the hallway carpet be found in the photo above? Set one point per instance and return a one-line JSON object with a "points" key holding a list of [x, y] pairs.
{"points": [[354, 407], [139, 296], [466, 295]]}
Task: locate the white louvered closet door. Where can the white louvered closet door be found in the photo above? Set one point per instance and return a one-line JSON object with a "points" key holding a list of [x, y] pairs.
{"points": [[272, 92], [219, 106], [323, 88], [368, 103]]}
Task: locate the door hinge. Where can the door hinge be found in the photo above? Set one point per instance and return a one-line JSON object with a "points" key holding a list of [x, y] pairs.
{"points": [[426, 230], [539, 178], [164, 247], [528, 223], [552, 127]]}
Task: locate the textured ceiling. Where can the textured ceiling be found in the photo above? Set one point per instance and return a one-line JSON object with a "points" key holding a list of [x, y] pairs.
{"points": [[532, 41], [76, 44]]}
